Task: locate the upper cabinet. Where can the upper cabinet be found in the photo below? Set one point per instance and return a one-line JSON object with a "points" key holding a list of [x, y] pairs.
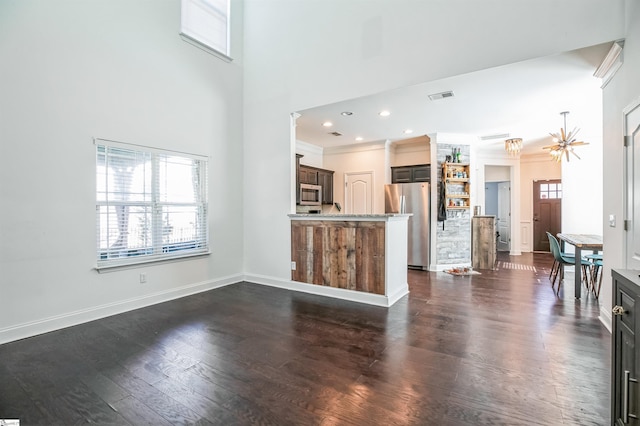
{"points": [[308, 175], [408, 174], [314, 176], [325, 179]]}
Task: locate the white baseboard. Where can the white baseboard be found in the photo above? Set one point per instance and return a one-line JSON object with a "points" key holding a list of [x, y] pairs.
{"points": [[446, 266], [605, 318], [337, 293], [22, 331]]}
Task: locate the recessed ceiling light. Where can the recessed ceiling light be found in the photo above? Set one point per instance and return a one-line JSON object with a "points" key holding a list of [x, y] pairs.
{"points": [[327, 124], [384, 113], [359, 138], [346, 113], [408, 131]]}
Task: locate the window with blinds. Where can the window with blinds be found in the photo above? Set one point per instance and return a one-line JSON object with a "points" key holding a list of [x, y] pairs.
{"points": [[205, 23], [151, 204]]}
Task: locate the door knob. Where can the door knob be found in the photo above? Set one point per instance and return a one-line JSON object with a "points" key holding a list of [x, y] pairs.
{"points": [[618, 310]]}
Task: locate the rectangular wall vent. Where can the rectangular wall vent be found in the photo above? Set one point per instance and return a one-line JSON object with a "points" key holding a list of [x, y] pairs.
{"points": [[441, 95], [497, 136]]}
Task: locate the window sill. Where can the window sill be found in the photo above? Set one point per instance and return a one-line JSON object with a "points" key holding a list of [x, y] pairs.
{"points": [[206, 48], [140, 263]]}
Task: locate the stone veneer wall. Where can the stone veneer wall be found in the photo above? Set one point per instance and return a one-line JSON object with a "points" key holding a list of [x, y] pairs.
{"points": [[453, 243]]}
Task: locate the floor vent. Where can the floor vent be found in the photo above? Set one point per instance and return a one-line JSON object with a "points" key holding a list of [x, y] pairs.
{"points": [[509, 265]]}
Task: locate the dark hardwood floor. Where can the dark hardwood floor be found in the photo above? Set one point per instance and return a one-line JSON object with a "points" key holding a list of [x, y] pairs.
{"points": [[493, 349]]}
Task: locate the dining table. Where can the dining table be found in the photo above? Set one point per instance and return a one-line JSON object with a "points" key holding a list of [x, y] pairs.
{"points": [[580, 242]]}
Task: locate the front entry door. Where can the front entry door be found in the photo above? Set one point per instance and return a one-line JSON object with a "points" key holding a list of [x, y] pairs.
{"points": [[547, 212], [358, 194], [504, 216], [632, 137]]}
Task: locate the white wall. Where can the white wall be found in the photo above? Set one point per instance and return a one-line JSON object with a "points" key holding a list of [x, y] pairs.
{"points": [[118, 69], [358, 158], [620, 92], [312, 154], [496, 174], [411, 154]]}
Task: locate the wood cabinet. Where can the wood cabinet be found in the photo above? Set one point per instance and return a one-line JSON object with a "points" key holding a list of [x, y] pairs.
{"points": [[409, 174], [343, 254], [325, 179], [314, 176], [483, 242], [308, 175], [456, 177], [625, 394]]}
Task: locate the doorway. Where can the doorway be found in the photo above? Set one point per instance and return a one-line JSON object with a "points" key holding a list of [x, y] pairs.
{"points": [[547, 212], [503, 220], [632, 214], [497, 201]]}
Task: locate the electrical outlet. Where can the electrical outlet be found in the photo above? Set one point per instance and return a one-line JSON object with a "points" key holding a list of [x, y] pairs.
{"points": [[143, 278], [293, 266]]}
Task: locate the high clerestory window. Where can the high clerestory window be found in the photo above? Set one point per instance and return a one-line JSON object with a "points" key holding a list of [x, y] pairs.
{"points": [[151, 204], [205, 24]]}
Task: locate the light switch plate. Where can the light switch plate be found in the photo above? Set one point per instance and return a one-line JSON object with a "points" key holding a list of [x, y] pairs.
{"points": [[293, 266], [612, 220]]}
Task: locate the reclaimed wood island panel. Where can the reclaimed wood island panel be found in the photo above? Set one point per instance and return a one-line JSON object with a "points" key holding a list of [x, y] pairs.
{"points": [[366, 254]]}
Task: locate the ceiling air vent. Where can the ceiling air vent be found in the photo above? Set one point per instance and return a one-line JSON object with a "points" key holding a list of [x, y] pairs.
{"points": [[441, 95], [497, 136], [335, 133]]}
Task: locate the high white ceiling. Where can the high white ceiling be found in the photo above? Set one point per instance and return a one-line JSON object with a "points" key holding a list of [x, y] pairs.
{"points": [[522, 99]]}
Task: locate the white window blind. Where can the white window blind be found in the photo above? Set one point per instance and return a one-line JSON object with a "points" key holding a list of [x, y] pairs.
{"points": [[206, 22], [150, 204]]}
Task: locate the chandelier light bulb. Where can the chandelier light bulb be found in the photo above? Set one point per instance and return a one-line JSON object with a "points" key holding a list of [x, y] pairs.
{"points": [[564, 142], [513, 146]]}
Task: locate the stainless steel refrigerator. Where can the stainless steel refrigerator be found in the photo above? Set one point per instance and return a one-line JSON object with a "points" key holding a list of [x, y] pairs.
{"points": [[412, 198]]}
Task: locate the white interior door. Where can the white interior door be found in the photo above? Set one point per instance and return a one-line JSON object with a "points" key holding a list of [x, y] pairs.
{"points": [[358, 193], [632, 133], [504, 216]]}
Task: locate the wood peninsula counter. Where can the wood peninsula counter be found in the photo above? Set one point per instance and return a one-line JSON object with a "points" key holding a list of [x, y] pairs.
{"points": [[356, 257]]}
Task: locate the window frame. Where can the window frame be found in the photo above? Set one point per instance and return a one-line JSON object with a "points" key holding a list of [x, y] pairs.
{"points": [[155, 205], [190, 28]]}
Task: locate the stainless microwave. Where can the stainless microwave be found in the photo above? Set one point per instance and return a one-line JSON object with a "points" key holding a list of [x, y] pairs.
{"points": [[310, 195]]}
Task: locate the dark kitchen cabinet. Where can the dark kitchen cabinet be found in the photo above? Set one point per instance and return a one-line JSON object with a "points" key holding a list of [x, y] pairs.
{"points": [[625, 395], [422, 173], [314, 176], [408, 174], [308, 175], [325, 179]]}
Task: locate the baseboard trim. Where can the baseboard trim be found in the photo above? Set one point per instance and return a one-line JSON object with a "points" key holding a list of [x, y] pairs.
{"points": [[606, 319], [336, 293], [22, 331]]}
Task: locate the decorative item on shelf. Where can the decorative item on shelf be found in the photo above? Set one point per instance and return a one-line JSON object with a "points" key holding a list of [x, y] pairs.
{"points": [[513, 146], [564, 142]]}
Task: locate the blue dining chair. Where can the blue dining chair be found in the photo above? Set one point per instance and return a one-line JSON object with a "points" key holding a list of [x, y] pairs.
{"points": [[562, 259], [596, 272], [555, 262]]}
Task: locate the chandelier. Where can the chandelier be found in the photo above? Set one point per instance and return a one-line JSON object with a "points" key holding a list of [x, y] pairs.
{"points": [[513, 146], [564, 142]]}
